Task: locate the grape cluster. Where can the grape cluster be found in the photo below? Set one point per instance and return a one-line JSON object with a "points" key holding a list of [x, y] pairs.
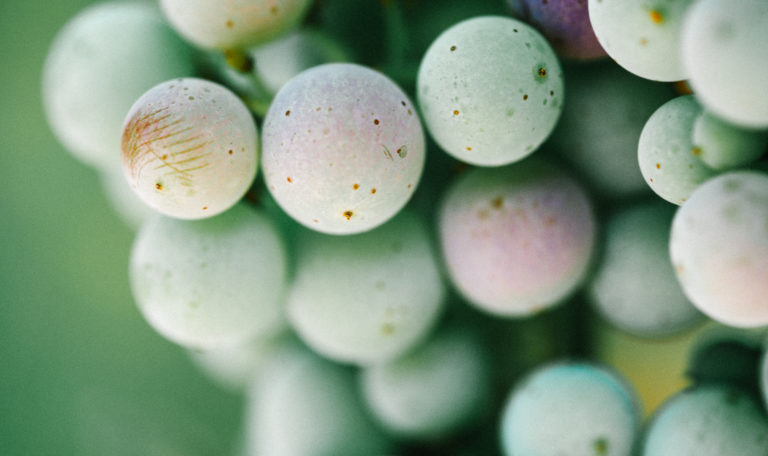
{"points": [[386, 222]]}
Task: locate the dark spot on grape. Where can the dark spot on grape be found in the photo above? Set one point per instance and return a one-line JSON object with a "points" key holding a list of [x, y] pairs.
{"points": [[525, 97], [658, 165], [402, 151], [159, 186], [375, 121], [455, 112], [544, 2], [643, 41], [290, 181], [230, 152], [552, 93], [402, 103], [230, 24], [287, 113], [356, 186], [696, 151], [469, 149], [601, 446], [410, 185], [453, 48], [348, 215], [318, 108], [273, 10], [410, 112], [514, 30], [657, 17], [164, 157], [497, 202], [373, 191], [205, 208], [651, 179]]}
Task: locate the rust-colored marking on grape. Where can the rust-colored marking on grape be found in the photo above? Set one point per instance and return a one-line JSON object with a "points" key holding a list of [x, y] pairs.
{"points": [[205, 208], [651, 179], [402, 152], [453, 48], [159, 186], [287, 113], [410, 185], [525, 97], [315, 220], [601, 446], [230, 152], [356, 186], [469, 149], [230, 24], [643, 41], [658, 165], [373, 191], [497, 202], [375, 121], [290, 181], [542, 72], [657, 17], [696, 151], [455, 112], [348, 215]]}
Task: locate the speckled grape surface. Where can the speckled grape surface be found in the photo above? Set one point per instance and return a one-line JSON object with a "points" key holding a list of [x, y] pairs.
{"points": [[570, 408], [516, 239], [190, 148], [668, 159], [433, 390], [366, 298], [719, 248], [708, 421], [724, 51], [343, 148], [565, 24], [98, 65], [232, 24], [634, 286], [490, 90], [210, 283], [643, 36]]}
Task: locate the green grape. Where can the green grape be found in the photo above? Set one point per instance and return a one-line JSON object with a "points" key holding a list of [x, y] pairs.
{"points": [[668, 159], [708, 421], [719, 248], [433, 390], [723, 145], [490, 90], [643, 36], [98, 65], [724, 46], [634, 286], [210, 283], [367, 298], [126, 203]]}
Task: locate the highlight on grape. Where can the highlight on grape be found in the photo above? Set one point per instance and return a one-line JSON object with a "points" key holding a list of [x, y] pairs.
{"points": [[419, 228]]}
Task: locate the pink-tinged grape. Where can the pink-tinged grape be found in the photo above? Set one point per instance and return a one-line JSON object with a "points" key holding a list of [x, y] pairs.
{"points": [[343, 148], [433, 390], [708, 421], [301, 404], [516, 239], [601, 122], [233, 24], [368, 298], [668, 159], [576, 409], [643, 36], [565, 24], [190, 148], [723, 145], [98, 65], [490, 90], [634, 286], [719, 248], [724, 46], [210, 283]]}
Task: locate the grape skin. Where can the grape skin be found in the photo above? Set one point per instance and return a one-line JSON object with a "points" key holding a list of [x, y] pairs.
{"points": [[343, 148], [490, 90], [190, 148], [724, 145]]}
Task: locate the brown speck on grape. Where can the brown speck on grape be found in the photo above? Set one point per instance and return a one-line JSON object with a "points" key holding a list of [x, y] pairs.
{"points": [[287, 113], [601, 447], [696, 151], [643, 41], [164, 157], [525, 97], [402, 151], [356, 186], [373, 191], [375, 121], [402, 102], [497, 202], [318, 108], [410, 113], [542, 72], [290, 181], [348, 215], [410, 185], [230, 152], [552, 93], [469, 149], [657, 17], [453, 48], [315, 220], [455, 112], [651, 179], [230, 24], [658, 165], [159, 186], [205, 208]]}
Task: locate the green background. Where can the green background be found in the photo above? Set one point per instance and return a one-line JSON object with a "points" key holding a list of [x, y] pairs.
{"points": [[80, 371]]}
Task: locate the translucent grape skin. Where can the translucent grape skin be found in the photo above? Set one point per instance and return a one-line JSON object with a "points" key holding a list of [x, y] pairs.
{"points": [[600, 125], [576, 409], [490, 90], [723, 145], [368, 298], [565, 23], [98, 65], [190, 148], [343, 148], [719, 248], [213, 24], [301, 404], [723, 50], [641, 36], [668, 159], [634, 286], [433, 390], [518, 239], [708, 421], [210, 283]]}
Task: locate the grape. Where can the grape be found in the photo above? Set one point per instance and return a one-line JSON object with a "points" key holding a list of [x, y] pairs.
{"points": [[233, 24], [367, 298], [723, 50], [126, 203], [190, 148], [280, 60], [634, 287], [723, 145], [719, 247], [565, 23], [708, 421], [517, 239], [642, 36], [668, 159], [303, 405], [570, 408], [98, 65], [433, 390], [490, 90], [601, 122], [343, 148], [210, 283], [764, 377]]}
